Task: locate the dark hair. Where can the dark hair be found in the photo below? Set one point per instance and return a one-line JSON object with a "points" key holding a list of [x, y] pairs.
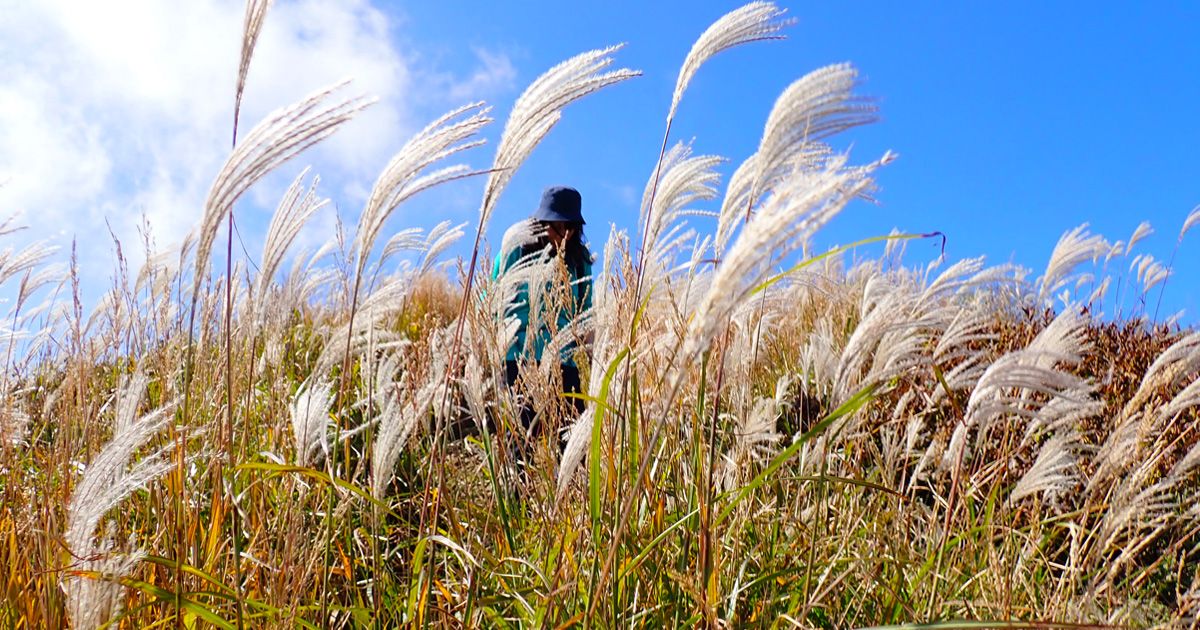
{"points": [[576, 254]]}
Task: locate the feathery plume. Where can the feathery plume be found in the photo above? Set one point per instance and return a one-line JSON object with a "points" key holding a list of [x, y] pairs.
{"points": [[35, 279], [440, 238], [256, 14], [579, 440], [14, 423], [816, 106], [802, 204], [539, 108], [1054, 472], [1168, 370], [1074, 248], [1006, 386], [284, 134], [294, 210], [401, 415], [1192, 219], [685, 179], [607, 319], [13, 264], [1140, 232], [106, 481], [753, 22], [311, 421], [403, 176], [408, 239]]}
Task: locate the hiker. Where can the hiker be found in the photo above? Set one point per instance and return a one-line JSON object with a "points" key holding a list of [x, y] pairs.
{"points": [[547, 249]]}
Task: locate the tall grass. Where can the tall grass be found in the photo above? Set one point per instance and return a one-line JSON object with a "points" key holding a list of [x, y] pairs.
{"points": [[328, 442]]}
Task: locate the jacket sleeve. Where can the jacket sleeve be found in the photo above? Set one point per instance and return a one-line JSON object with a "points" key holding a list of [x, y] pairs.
{"points": [[496, 266]]}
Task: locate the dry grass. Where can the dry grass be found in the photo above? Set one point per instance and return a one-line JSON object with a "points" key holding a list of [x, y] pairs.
{"points": [[828, 447]]}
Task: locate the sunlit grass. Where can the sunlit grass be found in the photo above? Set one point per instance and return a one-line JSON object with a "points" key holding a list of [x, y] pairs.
{"points": [[771, 438]]}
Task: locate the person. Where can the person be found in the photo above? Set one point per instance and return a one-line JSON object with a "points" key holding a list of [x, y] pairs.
{"points": [[549, 250]]}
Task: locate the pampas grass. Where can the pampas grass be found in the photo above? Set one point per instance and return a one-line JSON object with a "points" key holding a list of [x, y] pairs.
{"points": [[405, 176], [538, 110], [310, 421], [295, 209], [256, 13], [753, 22], [829, 440], [107, 480], [282, 135]]}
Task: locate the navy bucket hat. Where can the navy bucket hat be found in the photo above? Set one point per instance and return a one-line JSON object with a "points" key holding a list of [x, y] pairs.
{"points": [[560, 203]]}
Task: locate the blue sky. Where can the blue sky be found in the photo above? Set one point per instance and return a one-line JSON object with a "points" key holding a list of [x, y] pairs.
{"points": [[1014, 122]]}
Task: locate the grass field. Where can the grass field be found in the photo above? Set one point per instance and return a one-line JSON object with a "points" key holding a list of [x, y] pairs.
{"points": [[773, 437]]}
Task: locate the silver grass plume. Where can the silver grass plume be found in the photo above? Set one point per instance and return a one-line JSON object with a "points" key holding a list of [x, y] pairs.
{"points": [[284, 134], [1140, 232], [1191, 460], [387, 299], [663, 263], [14, 263], [816, 106], [1101, 290], [1137, 512], [476, 387], [579, 327], [969, 326], [1169, 369], [1055, 471], [1149, 271], [256, 14], [37, 278], [7, 225], [1068, 412], [520, 234], [684, 180], [405, 175], [609, 335], [106, 481], [801, 205], [295, 209], [1006, 386], [753, 22], [408, 239], [402, 413], [310, 421], [160, 270], [753, 434], [1186, 399], [1075, 247], [895, 327], [1117, 249], [958, 276], [1137, 424], [430, 245], [1192, 219], [439, 239], [579, 440], [539, 108]]}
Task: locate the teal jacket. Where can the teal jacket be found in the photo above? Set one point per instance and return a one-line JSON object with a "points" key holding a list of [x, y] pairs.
{"points": [[518, 307]]}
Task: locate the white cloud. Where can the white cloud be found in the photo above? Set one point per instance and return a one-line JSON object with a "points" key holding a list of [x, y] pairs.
{"points": [[109, 110], [495, 74]]}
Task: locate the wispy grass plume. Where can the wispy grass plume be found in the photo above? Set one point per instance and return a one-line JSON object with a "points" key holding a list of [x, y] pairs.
{"points": [[284, 134], [106, 482]]}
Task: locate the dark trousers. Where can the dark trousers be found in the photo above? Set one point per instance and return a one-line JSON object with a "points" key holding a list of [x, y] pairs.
{"points": [[528, 415]]}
